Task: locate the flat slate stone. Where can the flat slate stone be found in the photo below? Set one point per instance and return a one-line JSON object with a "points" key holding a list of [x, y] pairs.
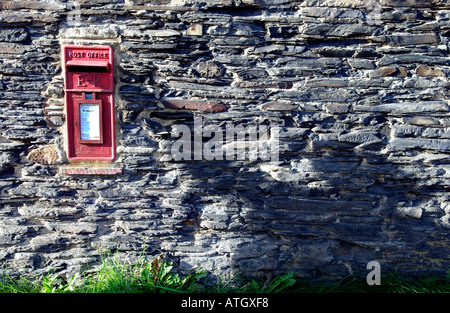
{"points": [[204, 106]]}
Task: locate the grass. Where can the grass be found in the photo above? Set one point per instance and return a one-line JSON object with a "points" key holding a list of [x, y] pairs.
{"points": [[392, 283], [159, 276]]}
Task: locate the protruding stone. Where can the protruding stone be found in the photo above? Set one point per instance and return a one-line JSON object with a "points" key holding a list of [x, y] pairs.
{"points": [[46, 155], [210, 69], [278, 106], [409, 40], [392, 72], [426, 71], [195, 30], [275, 85], [204, 106], [14, 34]]}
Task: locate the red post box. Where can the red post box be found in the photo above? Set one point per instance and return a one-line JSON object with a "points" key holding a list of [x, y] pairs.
{"points": [[89, 95]]}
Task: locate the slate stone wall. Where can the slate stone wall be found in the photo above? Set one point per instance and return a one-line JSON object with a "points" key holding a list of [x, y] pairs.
{"points": [[358, 91]]}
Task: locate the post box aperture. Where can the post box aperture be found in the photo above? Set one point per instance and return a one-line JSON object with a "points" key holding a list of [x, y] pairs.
{"points": [[89, 95]]}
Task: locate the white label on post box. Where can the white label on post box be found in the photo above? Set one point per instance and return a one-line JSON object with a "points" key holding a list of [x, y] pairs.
{"points": [[90, 121]]}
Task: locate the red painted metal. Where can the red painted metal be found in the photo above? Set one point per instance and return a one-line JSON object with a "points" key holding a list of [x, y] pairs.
{"points": [[89, 81]]}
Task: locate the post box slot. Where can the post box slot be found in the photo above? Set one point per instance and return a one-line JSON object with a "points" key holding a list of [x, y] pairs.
{"points": [[88, 66], [87, 69]]}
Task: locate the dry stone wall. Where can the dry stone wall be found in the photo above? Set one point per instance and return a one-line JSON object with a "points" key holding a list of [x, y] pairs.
{"points": [[355, 93]]}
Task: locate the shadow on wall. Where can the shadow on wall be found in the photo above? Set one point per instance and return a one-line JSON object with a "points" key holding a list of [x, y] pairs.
{"points": [[332, 204], [335, 201]]}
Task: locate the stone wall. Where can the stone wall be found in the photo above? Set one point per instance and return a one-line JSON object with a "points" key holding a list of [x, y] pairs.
{"points": [[357, 91]]}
